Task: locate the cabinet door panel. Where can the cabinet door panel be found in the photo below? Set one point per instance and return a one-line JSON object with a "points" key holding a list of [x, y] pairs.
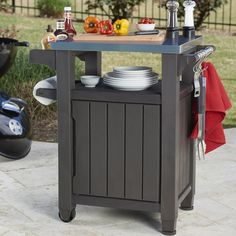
{"points": [[81, 115], [116, 130], [98, 134], [133, 165], [151, 153]]}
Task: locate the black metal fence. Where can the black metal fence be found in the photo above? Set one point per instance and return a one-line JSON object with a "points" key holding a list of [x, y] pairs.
{"points": [[224, 18]]}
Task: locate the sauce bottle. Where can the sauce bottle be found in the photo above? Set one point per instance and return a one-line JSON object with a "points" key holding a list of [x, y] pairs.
{"points": [[60, 32], [69, 28], [47, 38]]}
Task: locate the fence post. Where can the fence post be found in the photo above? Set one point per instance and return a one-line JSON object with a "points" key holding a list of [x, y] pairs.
{"points": [[13, 6], [230, 15]]}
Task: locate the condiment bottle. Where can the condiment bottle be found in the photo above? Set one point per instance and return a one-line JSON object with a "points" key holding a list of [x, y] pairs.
{"points": [[47, 38], [69, 28], [60, 32]]}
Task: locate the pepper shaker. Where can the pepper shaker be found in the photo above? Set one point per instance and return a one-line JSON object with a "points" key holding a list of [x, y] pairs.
{"points": [[172, 23]]}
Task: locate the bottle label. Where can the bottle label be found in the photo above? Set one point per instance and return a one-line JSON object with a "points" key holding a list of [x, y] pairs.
{"points": [[60, 25], [51, 38], [62, 37]]}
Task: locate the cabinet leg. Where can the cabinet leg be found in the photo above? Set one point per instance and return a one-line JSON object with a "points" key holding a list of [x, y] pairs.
{"points": [[169, 227], [170, 156], [67, 215], [187, 203], [65, 64]]}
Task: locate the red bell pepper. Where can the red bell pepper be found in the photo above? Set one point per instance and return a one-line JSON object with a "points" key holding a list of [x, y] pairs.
{"points": [[105, 27]]}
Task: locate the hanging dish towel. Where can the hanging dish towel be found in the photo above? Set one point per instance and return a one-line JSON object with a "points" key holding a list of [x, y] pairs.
{"points": [[217, 103]]}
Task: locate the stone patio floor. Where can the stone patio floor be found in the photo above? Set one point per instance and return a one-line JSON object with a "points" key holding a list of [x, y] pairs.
{"points": [[28, 200]]}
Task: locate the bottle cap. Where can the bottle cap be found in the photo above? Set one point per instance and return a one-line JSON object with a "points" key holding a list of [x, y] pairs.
{"points": [[49, 29], [189, 3], [67, 8]]}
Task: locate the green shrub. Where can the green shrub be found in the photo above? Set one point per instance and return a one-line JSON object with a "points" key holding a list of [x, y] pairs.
{"points": [[52, 8], [4, 6], [21, 79], [119, 9]]}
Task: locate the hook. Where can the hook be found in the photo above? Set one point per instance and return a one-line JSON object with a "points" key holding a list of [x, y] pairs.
{"points": [[200, 57]]}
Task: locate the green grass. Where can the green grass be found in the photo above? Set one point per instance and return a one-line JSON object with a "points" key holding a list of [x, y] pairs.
{"points": [[20, 80], [224, 60]]}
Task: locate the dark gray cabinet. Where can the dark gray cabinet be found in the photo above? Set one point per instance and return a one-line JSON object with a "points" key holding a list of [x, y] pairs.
{"points": [[119, 149], [117, 146]]}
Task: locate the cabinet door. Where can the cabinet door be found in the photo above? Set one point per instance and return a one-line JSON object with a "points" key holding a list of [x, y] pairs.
{"points": [[117, 150]]}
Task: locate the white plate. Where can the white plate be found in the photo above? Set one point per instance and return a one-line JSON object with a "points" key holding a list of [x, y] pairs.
{"points": [[132, 72], [136, 88], [131, 78], [132, 69], [120, 75], [110, 75], [131, 86], [121, 83], [141, 86], [130, 83]]}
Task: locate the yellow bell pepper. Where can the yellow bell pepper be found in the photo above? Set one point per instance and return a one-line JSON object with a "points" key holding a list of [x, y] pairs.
{"points": [[121, 27]]}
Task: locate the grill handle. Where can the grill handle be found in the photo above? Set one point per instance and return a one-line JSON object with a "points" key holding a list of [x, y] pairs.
{"points": [[22, 44]]}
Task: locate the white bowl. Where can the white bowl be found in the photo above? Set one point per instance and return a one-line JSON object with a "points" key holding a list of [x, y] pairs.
{"points": [[89, 81], [145, 27]]}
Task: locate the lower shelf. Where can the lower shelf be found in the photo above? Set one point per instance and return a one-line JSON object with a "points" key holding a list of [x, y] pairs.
{"points": [[102, 93]]}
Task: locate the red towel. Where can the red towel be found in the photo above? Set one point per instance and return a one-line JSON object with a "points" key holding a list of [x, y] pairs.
{"points": [[217, 102]]}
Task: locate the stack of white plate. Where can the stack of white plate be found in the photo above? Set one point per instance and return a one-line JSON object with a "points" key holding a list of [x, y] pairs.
{"points": [[134, 78]]}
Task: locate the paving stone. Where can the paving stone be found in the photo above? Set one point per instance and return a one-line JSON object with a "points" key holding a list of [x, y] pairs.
{"points": [[41, 154], [103, 216], [211, 230], [35, 177], [212, 209], [28, 200], [10, 215], [8, 184]]}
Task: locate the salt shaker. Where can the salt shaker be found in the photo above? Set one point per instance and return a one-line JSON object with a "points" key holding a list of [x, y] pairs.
{"points": [[189, 29]]}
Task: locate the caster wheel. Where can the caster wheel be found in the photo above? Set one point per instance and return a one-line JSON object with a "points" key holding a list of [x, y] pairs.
{"points": [[68, 219], [169, 232], [186, 208]]}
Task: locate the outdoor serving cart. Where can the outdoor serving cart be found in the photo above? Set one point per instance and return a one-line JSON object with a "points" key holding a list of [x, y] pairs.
{"points": [[125, 149]]}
